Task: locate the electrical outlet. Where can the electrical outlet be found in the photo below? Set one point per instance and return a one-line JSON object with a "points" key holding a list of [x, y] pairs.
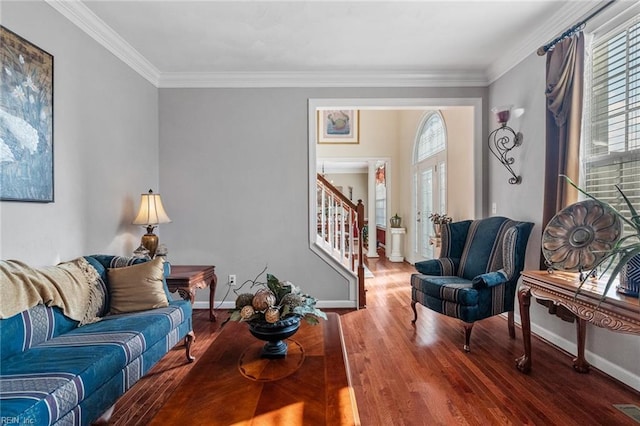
{"points": [[232, 280]]}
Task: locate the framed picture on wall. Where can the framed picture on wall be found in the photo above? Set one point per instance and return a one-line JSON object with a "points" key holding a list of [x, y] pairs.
{"points": [[26, 120], [338, 126]]}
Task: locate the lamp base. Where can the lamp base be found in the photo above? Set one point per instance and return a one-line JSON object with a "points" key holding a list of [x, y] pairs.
{"points": [[150, 242]]}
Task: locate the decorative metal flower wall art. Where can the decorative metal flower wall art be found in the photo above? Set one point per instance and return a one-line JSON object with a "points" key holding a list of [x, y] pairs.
{"points": [[580, 235]]}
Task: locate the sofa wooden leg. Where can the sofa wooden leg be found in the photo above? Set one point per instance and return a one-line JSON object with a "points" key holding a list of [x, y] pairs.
{"points": [[188, 341], [103, 420], [467, 336], [415, 312], [511, 324]]}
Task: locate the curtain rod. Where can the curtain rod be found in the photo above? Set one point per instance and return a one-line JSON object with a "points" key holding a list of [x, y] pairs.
{"points": [[577, 27]]}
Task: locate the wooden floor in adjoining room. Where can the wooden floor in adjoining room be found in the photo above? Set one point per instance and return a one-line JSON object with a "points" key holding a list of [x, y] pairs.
{"points": [[405, 374]]}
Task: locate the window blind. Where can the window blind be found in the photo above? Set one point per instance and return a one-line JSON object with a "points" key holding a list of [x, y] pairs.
{"points": [[432, 137], [611, 149]]}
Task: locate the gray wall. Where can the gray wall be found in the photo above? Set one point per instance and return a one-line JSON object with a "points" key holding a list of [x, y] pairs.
{"points": [[524, 86], [233, 170], [234, 175], [105, 147]]}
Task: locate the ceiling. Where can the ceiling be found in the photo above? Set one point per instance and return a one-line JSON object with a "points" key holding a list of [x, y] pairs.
{"points": [[208, 43]]}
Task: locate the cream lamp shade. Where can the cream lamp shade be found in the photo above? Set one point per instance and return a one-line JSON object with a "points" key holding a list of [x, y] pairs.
{"points": [[151, 214]]}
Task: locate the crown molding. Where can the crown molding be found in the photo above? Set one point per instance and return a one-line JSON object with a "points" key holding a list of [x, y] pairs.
{"points": [[322, 79], [568, 14], [90, 23], [96, 28]]}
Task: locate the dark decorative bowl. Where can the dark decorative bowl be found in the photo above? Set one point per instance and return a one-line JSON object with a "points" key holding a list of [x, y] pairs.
{"points": [[275, 334]]}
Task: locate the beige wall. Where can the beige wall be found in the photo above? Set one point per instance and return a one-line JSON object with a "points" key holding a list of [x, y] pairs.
{"points": [[391, 134], [378, 140], [460, 172], [378, 135], [357, 181], [460, 168]]}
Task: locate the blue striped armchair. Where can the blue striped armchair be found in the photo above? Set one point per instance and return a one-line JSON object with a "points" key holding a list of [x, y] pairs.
{"points": [[477, 273]]}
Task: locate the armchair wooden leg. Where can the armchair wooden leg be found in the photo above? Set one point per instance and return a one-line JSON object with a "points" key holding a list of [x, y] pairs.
{"points": [[467, 336], [415, 312], [512, 327], [188, 341]]}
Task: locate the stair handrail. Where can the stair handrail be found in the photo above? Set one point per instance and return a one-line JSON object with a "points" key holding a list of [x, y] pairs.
{"points": [[336, 192]]}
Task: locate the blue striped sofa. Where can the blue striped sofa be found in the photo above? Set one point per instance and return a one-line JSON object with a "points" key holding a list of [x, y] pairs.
{"points": [[477, 273], [53, 372]]}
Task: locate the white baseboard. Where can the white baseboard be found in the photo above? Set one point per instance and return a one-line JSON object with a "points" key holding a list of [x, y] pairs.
{"points": [[625, 376], [205, 305], [336, 304], [323, 304]]}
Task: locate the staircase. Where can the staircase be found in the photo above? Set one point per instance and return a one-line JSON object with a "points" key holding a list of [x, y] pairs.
{"points": [[340, 223]]}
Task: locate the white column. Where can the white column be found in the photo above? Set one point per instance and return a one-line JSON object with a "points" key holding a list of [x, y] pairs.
{"points": [[396, 244], [371, 211]]}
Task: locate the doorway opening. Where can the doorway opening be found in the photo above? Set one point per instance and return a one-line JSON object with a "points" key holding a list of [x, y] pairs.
{"points": [[396, 147]]}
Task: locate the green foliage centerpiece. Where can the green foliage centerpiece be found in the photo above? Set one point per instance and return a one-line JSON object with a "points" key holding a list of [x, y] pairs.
{"points": [[274, 311]]}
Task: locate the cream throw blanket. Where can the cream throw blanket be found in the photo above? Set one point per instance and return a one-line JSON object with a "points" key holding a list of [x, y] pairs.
{"points": [[72, 286]]}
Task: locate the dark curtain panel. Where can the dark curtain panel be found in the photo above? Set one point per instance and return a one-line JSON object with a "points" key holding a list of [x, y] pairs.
{"points": [[565, 77]]}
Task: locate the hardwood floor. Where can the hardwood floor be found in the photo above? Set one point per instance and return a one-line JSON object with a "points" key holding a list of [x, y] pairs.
{"points": [[419, 375]]}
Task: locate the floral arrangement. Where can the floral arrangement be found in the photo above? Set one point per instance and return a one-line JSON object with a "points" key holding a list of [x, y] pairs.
{"points": [[273, 301], [440, 219]]}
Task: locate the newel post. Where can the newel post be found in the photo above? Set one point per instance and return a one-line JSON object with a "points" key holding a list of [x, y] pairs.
{"points": [[362, 295]]}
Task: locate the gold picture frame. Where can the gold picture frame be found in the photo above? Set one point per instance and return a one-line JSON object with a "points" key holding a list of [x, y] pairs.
{"points": [[339, 126]]}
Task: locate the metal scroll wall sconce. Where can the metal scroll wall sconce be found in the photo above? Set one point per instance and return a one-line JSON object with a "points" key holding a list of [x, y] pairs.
{"points": [[502, 140]]}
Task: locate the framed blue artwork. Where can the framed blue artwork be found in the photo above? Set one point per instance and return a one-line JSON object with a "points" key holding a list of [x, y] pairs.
{"points": [[26, 120], [338, 126]]}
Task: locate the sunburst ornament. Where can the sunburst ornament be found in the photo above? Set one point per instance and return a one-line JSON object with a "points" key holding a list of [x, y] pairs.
{"points": [[580, 235]]}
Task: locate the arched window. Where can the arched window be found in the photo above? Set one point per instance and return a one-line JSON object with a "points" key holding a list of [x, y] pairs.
{"points": [[429, 180], [432, 137]]}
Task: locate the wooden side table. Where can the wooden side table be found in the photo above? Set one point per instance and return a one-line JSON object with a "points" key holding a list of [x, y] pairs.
{"points": [[186, 279], [616, 312]]}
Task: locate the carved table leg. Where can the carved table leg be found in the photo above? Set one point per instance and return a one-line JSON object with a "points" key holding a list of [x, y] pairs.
{"points": [[212, 293], [186, 294], [188, 341], [580, 364], [524, 299], [415, 313]]}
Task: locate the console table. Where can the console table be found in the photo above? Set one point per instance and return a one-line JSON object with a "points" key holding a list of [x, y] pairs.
{"points": [[616, 312], [186, 279]]}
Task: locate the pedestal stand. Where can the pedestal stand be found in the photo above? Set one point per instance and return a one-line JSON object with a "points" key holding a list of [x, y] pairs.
{"points": [[396, 244]]}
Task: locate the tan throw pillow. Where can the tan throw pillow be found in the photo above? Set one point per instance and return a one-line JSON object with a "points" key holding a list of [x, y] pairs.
{"points": [[137, 287]]}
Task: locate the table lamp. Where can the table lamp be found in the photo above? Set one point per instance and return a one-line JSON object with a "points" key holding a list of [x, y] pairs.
{"points": [[151, 214]]}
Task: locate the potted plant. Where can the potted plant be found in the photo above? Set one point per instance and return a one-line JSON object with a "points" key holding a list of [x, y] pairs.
{"points": [[624, 258], [438, 220]]}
